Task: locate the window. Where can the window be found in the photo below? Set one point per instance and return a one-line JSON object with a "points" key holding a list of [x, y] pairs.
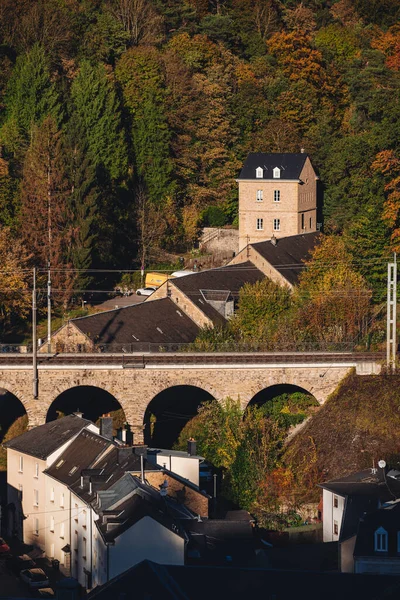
{"points": [[335, 502], [36, 527], [21, 464], [277, 224], [84, 519], [260, 224], [335, 528], [62, 530], [36, 471], [36, 497], [302, 220], [60, 463], [277, 196], [52, 495], [84, 548], [62, 500], [52, 550], [72, 471], [259, 173], [259, 195], [276, 173], [310, 223], [52, 524], [76, 513], [381, 540], [20, 489]]}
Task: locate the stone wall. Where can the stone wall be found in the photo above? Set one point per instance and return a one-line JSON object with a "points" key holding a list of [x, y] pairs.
{"points": [[257, 200], [222, 243], [69, 339], [250, 254], [134, 389]]}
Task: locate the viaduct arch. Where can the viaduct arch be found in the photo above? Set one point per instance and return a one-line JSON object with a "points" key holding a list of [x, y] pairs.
{"points": [[135, 388]]}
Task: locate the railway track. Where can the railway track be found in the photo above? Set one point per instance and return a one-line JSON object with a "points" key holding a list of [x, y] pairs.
{"points": [[183, 358]]}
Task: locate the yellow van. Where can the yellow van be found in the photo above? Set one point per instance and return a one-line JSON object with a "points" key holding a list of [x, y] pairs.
{"points": [[156, 279]]}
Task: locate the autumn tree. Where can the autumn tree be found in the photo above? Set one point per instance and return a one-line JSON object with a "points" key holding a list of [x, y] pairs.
{"points": [[388, 164], [333, 300], [45, 213], [139, 19], [15, 279]]}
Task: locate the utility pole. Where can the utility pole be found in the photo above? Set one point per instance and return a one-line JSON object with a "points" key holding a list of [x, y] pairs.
{"points": [[34, 341], [391, 335], [49, 309]]}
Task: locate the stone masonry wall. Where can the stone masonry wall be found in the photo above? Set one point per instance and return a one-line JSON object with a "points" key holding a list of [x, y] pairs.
{"points": [[134, 389], [168, 289], [69, 339], [261, 263]]}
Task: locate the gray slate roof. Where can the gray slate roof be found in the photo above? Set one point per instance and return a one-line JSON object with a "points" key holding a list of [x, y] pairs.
{"points": [[387, 517], [289, 253], [42, 441], [157, 322], [205, 284], [290, 164]]}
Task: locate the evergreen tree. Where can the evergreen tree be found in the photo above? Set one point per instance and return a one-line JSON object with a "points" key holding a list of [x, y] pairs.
{"points": [[98, 115], [82, 200], [30, 96], [139, 73]]}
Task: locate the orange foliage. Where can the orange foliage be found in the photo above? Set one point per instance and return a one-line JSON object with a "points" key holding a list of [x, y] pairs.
{"points": [[389, 44], [388, 163]]}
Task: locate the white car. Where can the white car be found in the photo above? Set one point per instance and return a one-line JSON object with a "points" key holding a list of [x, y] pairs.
{"points": [[35, 578], [146, 291]]}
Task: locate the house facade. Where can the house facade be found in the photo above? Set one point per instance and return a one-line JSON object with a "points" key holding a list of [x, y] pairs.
{"points": [[277, 197], [28, 456]]}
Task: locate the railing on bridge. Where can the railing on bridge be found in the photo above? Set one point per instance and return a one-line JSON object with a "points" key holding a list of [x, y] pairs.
{"points": [[144, 348]]}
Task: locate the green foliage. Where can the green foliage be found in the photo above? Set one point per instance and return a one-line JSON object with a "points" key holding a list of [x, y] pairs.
{"points": [[288, 409], [97, 116], [30, 96], [17, 428], [214, 216], [217, 431]]}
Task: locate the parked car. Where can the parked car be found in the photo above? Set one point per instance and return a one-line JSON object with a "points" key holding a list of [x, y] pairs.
{"points": [[146, 291], [35, 578], [45, 593], [16, 564], [4, 547]]}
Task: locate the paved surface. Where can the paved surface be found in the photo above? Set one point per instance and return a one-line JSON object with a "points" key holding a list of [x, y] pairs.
{"points": [[120, 301]]}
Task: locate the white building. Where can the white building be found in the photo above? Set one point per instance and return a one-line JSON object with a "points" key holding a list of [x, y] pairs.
{"points": [[28, 455]]}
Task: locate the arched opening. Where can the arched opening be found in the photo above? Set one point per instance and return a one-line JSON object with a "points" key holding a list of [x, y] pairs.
{"points": [[168, 413], [92, 401], [13, 421], [269, 393]]}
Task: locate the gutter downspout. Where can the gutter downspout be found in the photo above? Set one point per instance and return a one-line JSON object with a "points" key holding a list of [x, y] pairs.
{"points": [[70, 533]]}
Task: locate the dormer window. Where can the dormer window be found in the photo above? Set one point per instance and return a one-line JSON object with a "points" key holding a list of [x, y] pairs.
{"points": [[259, 173], [381, 540], [277, 173]]}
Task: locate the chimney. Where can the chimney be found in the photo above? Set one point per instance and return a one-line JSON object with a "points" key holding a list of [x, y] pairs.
{"points": [[192, 447], [106, 427], [273, 240], [78, 413], [302, 150]]}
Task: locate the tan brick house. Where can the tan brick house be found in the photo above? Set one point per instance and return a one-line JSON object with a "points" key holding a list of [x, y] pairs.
{"points": [[277, 197]]}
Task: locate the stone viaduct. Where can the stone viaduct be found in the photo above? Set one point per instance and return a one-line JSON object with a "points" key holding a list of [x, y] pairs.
{"points": [[136, 380]]}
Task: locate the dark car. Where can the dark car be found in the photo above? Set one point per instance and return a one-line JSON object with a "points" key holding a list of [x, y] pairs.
{"points": [[35, 578], [19, 563]]}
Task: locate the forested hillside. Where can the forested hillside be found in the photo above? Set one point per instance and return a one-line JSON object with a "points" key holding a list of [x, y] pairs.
{"points": [[124, 121]]}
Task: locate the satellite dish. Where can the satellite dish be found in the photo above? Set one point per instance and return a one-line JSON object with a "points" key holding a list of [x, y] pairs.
{"points": [[382, 464]]}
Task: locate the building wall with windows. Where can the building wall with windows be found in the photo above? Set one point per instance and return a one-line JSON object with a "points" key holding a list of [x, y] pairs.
{"points": [[278, 206], [333, 506], [57, 521]]}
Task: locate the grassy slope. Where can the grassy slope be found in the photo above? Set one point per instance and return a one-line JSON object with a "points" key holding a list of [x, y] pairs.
{"points": [[359, 424]]}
